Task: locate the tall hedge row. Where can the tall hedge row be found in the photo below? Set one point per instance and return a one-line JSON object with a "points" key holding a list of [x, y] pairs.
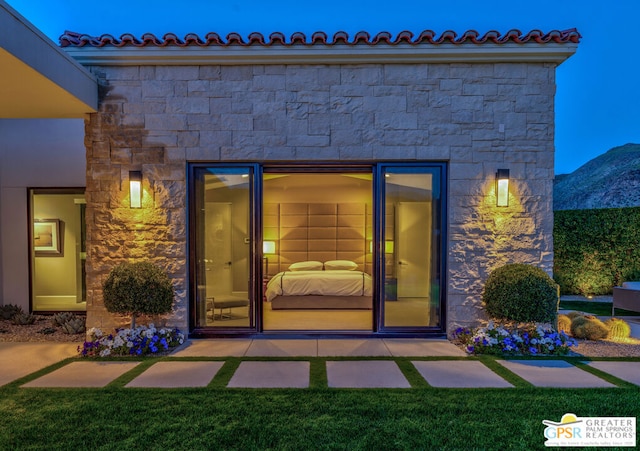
{"points": [[596, 250]]}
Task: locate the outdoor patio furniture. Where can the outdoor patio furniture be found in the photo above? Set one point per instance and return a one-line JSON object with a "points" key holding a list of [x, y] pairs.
{"points": [[626, 297]]}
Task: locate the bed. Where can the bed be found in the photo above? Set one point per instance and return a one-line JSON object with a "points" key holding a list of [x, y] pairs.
{"points": [[319, 289]]}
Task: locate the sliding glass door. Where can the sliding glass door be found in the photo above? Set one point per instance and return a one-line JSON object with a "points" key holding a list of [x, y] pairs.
{"points": [[333, 249], [410, 248], [224, 247]]}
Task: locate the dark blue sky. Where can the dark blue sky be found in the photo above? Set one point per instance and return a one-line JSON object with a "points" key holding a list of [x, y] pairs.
{"points": [[597, 98]]}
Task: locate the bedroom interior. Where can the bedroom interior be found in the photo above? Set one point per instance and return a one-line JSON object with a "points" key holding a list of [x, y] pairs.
{"points": [[318, 251]]}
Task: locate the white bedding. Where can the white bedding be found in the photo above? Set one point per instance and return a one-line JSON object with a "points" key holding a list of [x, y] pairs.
{"points": [[324, 283]]}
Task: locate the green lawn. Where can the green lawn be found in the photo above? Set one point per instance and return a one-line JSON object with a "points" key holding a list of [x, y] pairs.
{"points": [[595, 308], [317, 418]]}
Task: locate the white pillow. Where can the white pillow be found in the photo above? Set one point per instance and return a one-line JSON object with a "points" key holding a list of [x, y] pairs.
{"points": [[306, 266], [333, 265]]}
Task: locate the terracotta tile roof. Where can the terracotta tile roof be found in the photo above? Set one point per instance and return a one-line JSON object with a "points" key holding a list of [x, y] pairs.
{"points": [[72, 39]]}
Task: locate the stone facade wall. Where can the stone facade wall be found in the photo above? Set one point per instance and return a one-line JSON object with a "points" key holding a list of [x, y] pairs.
{"points": [[477, 117]]}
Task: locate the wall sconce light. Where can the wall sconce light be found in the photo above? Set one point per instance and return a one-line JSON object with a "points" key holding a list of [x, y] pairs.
{"points": [[388, 247], [268, 247], [502, 188], [135, 189]]}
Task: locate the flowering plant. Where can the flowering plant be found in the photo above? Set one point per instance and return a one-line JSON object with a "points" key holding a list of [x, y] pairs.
{"points": [[142, 340], [498, 340]]}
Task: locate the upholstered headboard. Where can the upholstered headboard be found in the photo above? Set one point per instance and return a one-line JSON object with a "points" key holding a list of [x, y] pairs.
{"points": [[318, 231]]}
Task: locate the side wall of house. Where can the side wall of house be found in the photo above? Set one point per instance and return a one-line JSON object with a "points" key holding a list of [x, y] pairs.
{"points": [[477, 117], [34, 153]]}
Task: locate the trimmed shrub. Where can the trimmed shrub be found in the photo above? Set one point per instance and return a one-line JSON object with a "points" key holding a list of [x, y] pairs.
{"points": [[619, 330], [523, 293], [589, 328], [140, 288], [564, 324], [595, 250]]}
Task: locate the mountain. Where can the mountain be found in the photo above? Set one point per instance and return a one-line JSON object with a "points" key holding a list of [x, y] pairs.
{"points": [[611, 180]]}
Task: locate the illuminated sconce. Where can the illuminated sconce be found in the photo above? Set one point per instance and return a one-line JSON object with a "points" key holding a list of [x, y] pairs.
{"points": [[268, 247], [388, 247], [135, 189], [502, 188]]}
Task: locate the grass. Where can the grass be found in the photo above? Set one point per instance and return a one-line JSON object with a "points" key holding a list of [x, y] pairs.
{"points": [[595, 308], [317, 418]]}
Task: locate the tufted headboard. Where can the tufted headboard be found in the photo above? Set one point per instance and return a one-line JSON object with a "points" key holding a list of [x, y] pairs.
{"points": [[318, 231]]}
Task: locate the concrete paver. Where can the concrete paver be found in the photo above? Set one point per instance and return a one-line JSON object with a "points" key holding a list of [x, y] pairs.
{"points": [[628, 371], [283, 348], [83, 374], [271, 375], [415, 347], [365, 374], [177, 374], [232, 347], [459, 374], [20, 359], [553, 373], [352, 348]]}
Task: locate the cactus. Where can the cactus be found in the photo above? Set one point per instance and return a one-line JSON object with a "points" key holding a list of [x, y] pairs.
{"points": [[564, 323], [23, 319], [60, 318], [9, 311], [588, 327], [572, 315], [619, 330], [74, 326]]}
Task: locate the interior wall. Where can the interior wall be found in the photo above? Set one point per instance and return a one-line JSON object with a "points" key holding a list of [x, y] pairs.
{"points": [[282, 190], [33, 153]]}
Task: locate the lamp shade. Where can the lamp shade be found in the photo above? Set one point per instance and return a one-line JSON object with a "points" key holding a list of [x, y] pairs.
{"points": [[268, 247], [502, 188], [135, 189]]}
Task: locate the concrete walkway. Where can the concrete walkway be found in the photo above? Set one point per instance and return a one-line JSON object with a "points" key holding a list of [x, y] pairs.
{"points": [[280, 372]]}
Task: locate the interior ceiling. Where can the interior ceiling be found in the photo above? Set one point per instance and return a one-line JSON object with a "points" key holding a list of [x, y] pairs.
{"points": [[25, 93]]}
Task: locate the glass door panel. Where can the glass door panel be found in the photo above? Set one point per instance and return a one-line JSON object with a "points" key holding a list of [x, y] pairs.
{"points": [[224, 293], [58, 250], [411, 247]]}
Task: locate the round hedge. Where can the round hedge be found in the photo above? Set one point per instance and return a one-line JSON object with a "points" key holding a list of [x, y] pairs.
{"points": [[138, 288], [522, 293]]}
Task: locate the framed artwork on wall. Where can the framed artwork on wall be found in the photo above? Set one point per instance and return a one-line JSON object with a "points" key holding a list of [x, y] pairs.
{"points": [[47, 241]]}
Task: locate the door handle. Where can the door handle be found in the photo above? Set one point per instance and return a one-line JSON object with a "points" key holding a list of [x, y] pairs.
{"points": [[401, 263]]}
